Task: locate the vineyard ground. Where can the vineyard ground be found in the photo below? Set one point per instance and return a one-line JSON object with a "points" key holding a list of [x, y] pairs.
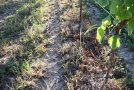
{"points": [[47, 55]]}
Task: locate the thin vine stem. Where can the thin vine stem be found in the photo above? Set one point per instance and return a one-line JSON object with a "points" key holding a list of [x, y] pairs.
{"points": [[106, 11]]}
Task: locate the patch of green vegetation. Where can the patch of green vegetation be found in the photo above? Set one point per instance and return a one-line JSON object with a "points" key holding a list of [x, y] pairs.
{"points": [[25, 28], [16, 65], [120, 71], [130, 81], [125, 83], [16, 68], [123, 76]]}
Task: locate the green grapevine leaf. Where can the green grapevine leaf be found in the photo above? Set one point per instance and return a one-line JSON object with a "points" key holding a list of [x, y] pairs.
{"points": [[100, 34], [130, 26], [114, 42], [101, 30], [129, 2], [106, 21], [120, 10], [123, 13], [130, 5], [114, 6]]}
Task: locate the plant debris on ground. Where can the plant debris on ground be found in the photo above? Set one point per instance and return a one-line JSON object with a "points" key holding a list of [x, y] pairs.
{"points": [[41, 46]]}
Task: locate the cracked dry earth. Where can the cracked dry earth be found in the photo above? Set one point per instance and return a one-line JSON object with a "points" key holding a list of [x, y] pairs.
{"points": [[60, 27]]}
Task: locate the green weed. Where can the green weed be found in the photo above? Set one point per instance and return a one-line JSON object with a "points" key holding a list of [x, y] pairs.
{"points": [[24, 28]]}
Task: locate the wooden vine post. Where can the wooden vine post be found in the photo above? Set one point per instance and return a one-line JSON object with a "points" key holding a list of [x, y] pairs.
{"points": [[80, 25], [81, 21]]}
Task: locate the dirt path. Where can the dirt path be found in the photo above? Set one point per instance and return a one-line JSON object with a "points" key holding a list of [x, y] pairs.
{"points": [[57, 30], [52, 76], [127, 55], [61, 27]]}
